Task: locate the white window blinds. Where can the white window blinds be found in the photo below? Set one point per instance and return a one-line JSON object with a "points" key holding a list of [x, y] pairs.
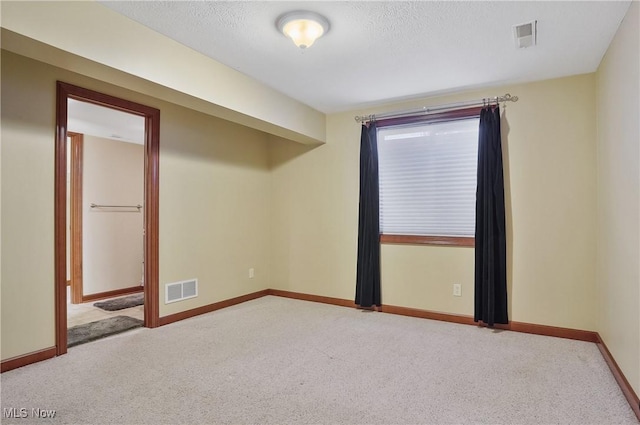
{"points": [[428, 178]]}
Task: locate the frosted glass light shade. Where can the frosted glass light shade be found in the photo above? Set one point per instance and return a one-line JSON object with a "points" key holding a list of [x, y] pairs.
{"points": [[303, 27]]}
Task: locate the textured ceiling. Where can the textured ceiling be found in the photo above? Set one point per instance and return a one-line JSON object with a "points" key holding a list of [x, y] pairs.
{"points": [[383, 51]]}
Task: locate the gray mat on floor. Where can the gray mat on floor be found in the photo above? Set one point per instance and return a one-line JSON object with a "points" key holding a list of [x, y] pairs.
{"points": [[121, 303], [101, 329]]}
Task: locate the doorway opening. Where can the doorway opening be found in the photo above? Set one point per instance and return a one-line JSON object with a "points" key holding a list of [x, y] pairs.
{"points": [[69, 209]]}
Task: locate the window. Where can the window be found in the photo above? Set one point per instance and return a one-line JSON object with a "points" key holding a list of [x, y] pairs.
{"points": [[428, 172]]}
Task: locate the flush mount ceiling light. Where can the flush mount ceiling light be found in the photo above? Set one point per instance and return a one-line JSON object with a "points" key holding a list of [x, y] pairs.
{"points": [[303, 27]]}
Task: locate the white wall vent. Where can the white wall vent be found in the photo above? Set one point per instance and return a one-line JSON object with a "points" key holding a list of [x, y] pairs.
{"points": [[525, 34], [179, 291]]}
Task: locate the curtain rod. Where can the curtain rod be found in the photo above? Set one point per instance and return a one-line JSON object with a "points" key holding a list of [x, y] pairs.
{"points": [[438, 108]]}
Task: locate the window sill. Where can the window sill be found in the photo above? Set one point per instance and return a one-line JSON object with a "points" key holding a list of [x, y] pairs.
{"points": [[428, 240]]}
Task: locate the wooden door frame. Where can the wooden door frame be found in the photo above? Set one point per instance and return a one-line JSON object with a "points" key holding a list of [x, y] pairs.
{"points": [[75, 210], [64, 92]]}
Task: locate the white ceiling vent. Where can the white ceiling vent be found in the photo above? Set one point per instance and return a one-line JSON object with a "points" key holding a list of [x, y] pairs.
{"points": [[525, 34], [179, 291]]}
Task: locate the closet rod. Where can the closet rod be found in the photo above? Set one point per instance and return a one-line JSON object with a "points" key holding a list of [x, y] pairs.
{"points": [[116, 206]]}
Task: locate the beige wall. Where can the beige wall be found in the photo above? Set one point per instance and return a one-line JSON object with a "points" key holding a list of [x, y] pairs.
{"points": [[549, 139], [27, 209], [214, 209], [112, 247], [618, 277]]}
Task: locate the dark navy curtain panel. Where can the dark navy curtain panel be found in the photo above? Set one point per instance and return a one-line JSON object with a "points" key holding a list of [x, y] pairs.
{"points": [[490, 240], [368, 268]]}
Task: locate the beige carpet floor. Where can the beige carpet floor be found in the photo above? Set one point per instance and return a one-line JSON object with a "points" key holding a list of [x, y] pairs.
{"points": [[281, 361]]}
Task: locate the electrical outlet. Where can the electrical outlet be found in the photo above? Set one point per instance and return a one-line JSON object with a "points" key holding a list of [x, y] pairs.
{"points": [[457, 290], [252, 273]]}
